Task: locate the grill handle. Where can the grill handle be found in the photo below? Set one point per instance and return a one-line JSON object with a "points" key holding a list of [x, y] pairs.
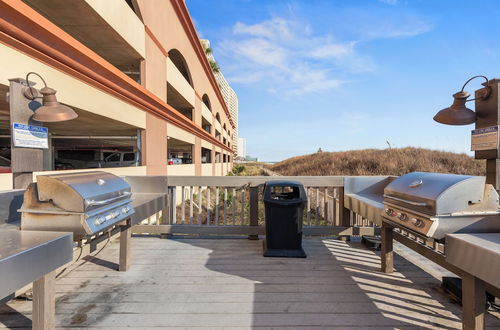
{"points": [[106, 201], [406, 201]]}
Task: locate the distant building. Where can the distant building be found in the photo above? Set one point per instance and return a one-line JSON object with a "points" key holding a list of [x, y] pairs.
{"points": [[242, 148], [228, 94], [251, 159]]}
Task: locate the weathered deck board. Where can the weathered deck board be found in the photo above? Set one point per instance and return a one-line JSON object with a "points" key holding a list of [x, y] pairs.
{"points": [[226, 283]]}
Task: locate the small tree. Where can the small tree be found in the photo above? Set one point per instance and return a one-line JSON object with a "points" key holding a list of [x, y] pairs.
{"points": [[215, 67]]}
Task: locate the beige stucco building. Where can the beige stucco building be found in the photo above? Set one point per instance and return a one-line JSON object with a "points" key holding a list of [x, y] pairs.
{"points": [[136, 74]]}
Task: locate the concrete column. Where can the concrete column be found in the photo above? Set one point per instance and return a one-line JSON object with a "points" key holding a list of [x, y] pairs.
{"points": [[155, 146], [197, 110], [212, 157], [154, 138], [197, 156]]}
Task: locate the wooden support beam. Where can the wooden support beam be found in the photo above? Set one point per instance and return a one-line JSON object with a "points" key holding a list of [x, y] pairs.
{"points": [[473, 302], [44, 302], [386, 250], [254, 210], [125, 242], [428, 252]]}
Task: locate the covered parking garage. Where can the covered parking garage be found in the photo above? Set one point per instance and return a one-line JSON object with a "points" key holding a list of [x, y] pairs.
{"points": [[89, 141]]}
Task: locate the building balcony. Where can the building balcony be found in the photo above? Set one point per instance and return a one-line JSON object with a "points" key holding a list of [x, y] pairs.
{"points": [[206, 113], [180, 94], [218, 126], [109, 28]]}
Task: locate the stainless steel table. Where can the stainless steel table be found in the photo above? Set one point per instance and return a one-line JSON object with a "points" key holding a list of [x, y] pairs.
{"points": [[34, 256], [364, 196], [478, 255]]}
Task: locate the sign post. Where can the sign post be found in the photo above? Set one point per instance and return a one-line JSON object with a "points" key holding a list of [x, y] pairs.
{"points": [[26, 138], [485, 137]]}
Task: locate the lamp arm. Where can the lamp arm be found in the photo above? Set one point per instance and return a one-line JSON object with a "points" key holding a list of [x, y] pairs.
{"points": [[30, 87], [488, 88]]}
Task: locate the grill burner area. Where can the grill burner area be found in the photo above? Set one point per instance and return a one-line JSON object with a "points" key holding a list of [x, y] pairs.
{"points": [[433, 204], [83, 203]]}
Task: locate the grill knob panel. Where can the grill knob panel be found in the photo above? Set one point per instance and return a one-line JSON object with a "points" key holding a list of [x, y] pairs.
{"points": [[418, 223]]}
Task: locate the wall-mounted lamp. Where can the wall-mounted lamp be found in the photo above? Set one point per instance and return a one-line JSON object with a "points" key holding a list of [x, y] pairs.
{"points": [[458, 113], [51, 110]]}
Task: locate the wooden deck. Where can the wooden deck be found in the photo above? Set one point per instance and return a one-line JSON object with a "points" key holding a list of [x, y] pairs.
{"points": [[226, 283]]}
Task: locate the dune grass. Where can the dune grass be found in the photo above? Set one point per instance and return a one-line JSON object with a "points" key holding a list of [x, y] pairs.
{"points": [[380, 162]]}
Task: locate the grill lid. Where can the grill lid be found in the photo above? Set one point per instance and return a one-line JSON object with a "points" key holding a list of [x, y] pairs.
{"points": [[435, 193], [82, 192]]}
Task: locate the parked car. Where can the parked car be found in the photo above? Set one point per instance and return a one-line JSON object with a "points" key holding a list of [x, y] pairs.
{"points": [[62, 166], [174, 161], [97, 158]]}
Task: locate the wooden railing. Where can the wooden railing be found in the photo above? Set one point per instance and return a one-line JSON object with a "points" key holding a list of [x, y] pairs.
{"points": [[234, 206]]}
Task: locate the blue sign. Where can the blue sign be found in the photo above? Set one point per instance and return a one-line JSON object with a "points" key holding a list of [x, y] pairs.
{"points": [[30, 136]]}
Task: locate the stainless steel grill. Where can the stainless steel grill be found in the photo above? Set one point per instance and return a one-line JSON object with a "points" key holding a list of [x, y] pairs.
{"points": [[82, 203], [433, 205]]}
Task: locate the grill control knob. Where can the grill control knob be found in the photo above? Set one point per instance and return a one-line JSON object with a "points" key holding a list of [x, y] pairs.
{"points": [[403, 217], [418, 223], [124, 209], [98, 221], [389, 212]]}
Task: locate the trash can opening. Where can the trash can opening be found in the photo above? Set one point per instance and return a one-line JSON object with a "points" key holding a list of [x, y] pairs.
{"points": [[285, 192]]}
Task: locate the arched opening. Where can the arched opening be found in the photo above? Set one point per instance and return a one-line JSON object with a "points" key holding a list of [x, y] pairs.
{"points": [[224, 140], [206, 101], [206, 122], [180, 63], [176, 94], [218, 134]]}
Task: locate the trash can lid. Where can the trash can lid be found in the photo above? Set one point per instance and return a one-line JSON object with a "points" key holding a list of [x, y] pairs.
{"points": [[283, 183], [298, 193]]}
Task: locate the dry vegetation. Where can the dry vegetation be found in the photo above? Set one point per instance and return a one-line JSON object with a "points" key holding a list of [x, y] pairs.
{"points": [[248, 169], [380, 162]]}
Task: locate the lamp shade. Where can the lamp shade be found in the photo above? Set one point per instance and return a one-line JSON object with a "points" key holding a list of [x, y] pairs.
{"points": [[51, 110], [457, 113]]}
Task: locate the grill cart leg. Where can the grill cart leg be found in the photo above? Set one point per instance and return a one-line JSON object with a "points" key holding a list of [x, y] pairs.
{"points": [[386, 254], [44, 302], [125, 238], [473, 302]]}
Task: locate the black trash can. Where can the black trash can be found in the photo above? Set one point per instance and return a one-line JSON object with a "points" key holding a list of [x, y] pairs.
{"points": [[284, 203]]}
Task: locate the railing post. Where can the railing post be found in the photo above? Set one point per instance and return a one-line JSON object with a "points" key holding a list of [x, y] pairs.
{"points": [[169, 214], [343, 214], [254, 210]]}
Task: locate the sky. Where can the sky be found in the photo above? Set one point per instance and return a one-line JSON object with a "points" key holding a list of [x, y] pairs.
{"points": [[342, 75]]}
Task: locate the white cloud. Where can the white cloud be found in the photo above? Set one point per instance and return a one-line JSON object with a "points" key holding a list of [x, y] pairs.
{"points": [[400, 29], [286, 57], [333, 50], [276, 28], [259, 51]]}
